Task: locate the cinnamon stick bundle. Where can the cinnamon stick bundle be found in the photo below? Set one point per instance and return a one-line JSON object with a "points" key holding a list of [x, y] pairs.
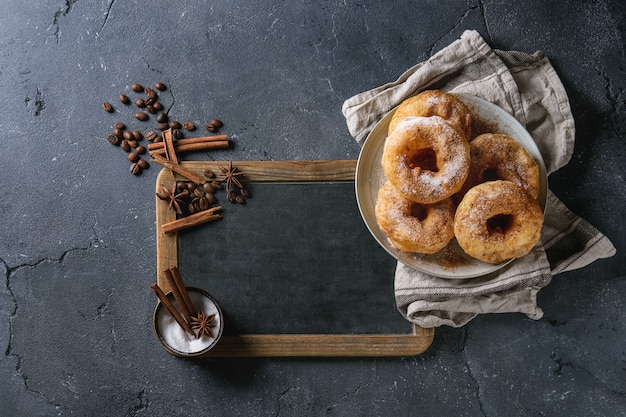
{"points": [[192, 220], [170, 307]]}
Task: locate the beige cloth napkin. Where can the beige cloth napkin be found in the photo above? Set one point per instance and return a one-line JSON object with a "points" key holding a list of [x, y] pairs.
{"points": [[527, 87]]}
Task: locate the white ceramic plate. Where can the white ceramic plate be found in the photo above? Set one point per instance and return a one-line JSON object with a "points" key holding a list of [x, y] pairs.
{"points": [[451, 262]]}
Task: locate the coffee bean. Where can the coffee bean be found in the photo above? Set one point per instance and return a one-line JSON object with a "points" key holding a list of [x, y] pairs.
{"points": [[120, 125], [217, 123], [143, 164], [119, 133], [157, 106], [124, 99], [151, 109], [150, 93], [217, 185], [189, 126], [140, 103], [137, 88], [231, 197], [135, 169], [208, 188], [137, 135], [107, 107], [141, 116], [177, 133], [113, 139], [162, 118], [160, 86], [128, 135], [203, 203], [175, 125], [133, 156], [210, 127], [244, 192], [124, 145], [240, 199], [163, 126], [150, 136], [190, 186], [133, 143], [140, 149], [209, 174], [198, 192], [158, 139], [211, 198]]}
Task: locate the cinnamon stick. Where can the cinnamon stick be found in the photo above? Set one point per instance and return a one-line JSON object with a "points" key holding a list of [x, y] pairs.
{"points": [[170, 152], [177, 168], [188, 141], [191, 220], [178, 282], [181, 297], [193, 147], [170, 307]]}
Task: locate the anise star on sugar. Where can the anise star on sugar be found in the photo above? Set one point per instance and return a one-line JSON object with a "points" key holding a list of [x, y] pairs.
{"points": [[203, 324], [174, 200], [230, 175]]}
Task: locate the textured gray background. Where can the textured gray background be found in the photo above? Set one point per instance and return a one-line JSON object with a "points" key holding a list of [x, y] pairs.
{"points": [[77, 238]]}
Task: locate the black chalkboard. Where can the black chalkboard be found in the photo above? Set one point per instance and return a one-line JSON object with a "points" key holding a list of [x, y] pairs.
{"points": [[296, 258]]}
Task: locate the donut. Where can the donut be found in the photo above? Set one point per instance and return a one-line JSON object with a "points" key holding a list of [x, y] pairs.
{"points": [[500, 157], [496, 221], [434, 103], [414, 227], [426, 159]]}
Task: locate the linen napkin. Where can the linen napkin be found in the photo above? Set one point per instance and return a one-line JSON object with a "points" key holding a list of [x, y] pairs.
{"points": [[526, 86]]}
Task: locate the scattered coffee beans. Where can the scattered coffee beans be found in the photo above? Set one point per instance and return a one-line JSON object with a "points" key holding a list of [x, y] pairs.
{"points": [[160, 86], [141, 116], [107, 107], [177, 133], [137, 88], [137, 135], [217, 123], [140, 103], [140, 149], [120, 125], [189, 126], [124, 145], [124, 99], [175, 125]]}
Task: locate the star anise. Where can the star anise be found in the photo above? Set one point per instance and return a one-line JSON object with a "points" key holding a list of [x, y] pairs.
{"points": [[174, 200], [230, 175], [203, 324]]}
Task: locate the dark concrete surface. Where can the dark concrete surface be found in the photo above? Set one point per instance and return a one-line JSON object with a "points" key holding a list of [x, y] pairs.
{"points": [[77, 235]]}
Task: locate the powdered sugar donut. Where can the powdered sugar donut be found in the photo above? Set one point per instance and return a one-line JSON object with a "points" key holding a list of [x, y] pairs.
{"points": [[434, 103], [426, 159], [414, 227], [497, 221], [500, 157]]}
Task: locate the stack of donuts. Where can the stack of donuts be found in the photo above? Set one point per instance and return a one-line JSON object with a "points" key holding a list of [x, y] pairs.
{"points": [[442, 184]]}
